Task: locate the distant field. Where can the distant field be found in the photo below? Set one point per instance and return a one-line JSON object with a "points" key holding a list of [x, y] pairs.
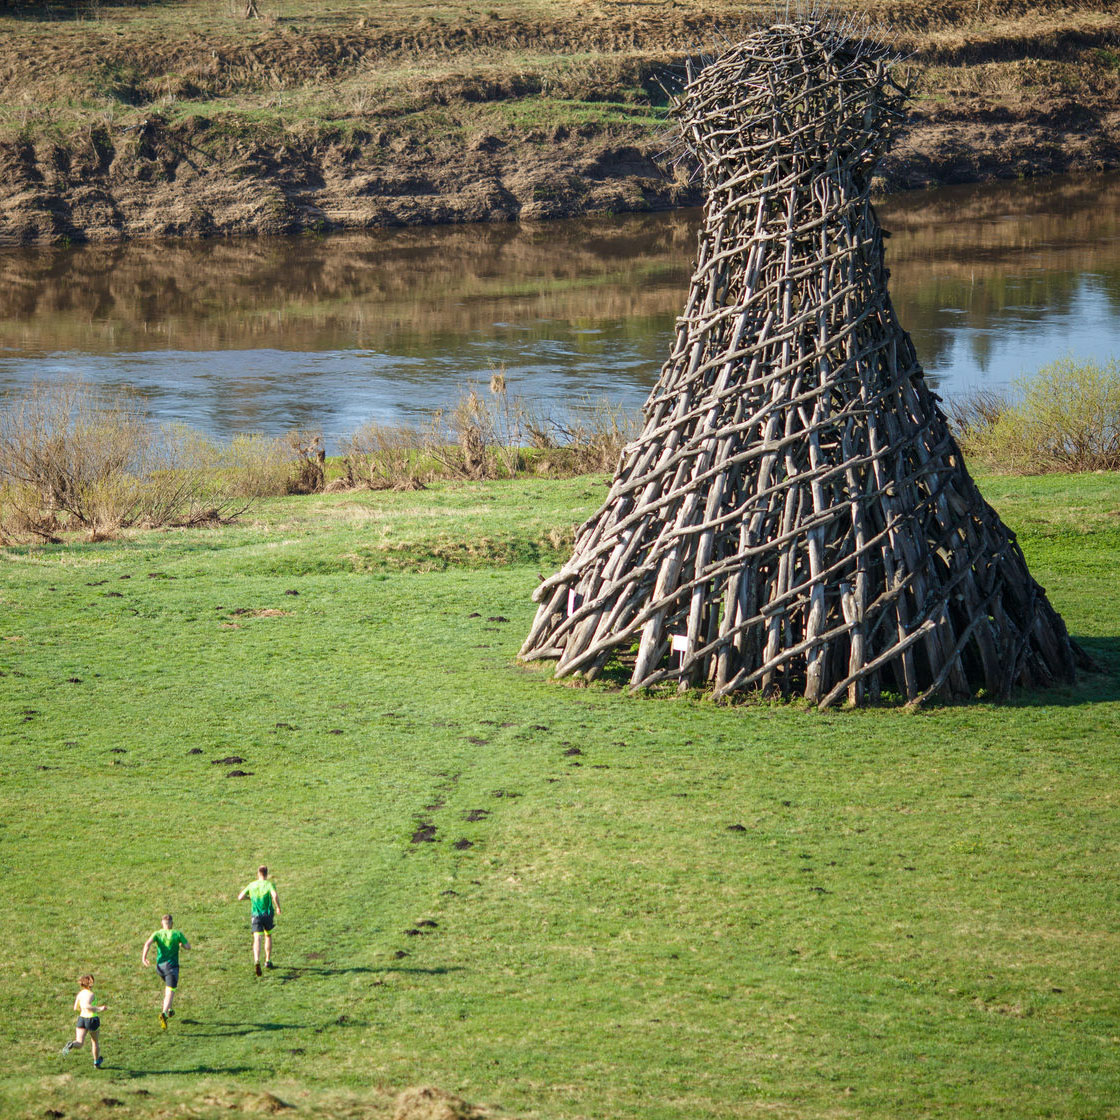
{"points": [[644, 908], [183, 118], [362, 63]]}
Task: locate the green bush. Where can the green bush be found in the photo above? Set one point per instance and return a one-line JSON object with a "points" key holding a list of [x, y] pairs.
{"points": [[1064, 418]]}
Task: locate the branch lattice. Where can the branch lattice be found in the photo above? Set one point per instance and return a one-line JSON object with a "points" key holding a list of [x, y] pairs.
{"points": [[795, 516]]}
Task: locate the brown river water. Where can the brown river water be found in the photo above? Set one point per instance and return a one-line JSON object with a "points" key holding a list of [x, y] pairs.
{"points": [[327, 332]]}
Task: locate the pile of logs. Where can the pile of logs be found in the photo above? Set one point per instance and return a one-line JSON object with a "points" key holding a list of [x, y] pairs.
{"points": [[795, 517]]}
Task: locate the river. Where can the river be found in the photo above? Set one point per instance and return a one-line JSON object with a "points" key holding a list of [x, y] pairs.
{"points": [[325, 333]]}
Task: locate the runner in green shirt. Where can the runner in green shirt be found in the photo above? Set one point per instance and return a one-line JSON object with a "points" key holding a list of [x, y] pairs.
{"points": [[167, 941], [266, 909]]}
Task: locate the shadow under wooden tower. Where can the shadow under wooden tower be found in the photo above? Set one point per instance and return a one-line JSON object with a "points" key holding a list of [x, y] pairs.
{"points": [[795, 516]]}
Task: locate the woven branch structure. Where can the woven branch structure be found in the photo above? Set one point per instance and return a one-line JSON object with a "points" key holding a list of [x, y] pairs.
{"points": [[795, 517]]}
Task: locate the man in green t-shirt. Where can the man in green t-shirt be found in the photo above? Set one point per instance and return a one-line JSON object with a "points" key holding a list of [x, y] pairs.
{"points": [[167, 941], [266, 909]]}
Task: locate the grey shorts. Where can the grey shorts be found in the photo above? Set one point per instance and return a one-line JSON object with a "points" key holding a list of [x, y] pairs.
{"points": [[85, 1024], [262, 923], [169, 974]]}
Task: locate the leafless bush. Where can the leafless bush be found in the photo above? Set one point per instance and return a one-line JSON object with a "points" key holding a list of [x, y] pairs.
{"points": [[1064, 418], [20, 519], [192, 480], [256, 466], [488, 432], [62, 445], [483, 435], [73, 457], [597, 432], [311, 462], [383, 457]]}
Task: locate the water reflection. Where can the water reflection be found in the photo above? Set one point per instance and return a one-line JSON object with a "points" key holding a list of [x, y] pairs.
{"points": [[266, 335], [994, 281]]}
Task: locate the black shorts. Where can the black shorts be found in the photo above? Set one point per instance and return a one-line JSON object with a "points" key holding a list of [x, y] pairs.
{"points": [[168, 973], [85, 1024], [262, 923]]}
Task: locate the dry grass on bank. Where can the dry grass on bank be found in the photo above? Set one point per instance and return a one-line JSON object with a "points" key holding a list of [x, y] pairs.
{"points": [[78, 459], [94, 64]]}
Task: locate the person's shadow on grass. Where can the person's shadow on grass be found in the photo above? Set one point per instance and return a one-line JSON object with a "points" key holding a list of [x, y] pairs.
{"points": [[136, 1073], [237, 1028]]}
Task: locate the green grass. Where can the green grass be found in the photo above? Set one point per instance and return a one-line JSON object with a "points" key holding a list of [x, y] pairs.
{"points": [[917, 918], [549, 112]]}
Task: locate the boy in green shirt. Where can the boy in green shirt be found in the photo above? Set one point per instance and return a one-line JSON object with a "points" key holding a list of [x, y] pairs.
{"points": [[266, 909], [167, 942]]}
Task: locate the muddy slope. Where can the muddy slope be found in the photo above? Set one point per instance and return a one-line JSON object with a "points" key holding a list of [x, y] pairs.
{"points": [[194, 143]]}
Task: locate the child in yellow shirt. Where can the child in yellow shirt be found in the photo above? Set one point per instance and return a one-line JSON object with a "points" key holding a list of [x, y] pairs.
{"points": [[89, 1021]]}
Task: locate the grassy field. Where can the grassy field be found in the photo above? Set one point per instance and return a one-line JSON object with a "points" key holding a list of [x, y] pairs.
{"points": [[645, 908], [351, 62]]}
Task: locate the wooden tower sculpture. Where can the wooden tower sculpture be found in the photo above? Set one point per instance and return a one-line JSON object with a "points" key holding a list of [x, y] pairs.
{"points": [[795, 517]]}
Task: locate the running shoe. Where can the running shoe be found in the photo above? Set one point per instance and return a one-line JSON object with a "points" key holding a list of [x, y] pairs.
{"points": [[162, 1021], [68, 1047], [269, 965], [258, 968], [97, 1063]]}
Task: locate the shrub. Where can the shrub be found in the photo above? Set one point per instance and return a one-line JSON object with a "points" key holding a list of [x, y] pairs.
{"points": [[596, 434], [66, 453], [310, 460], [382, 457], [1064, 418], [483, 435], [76, 457], [254, 466]]}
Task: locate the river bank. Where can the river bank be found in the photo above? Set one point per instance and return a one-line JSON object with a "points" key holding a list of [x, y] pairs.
{"points": [[171, 120]]}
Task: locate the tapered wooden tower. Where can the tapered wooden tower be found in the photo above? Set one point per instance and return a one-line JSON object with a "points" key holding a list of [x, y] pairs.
{"points": [[795, 517]]}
